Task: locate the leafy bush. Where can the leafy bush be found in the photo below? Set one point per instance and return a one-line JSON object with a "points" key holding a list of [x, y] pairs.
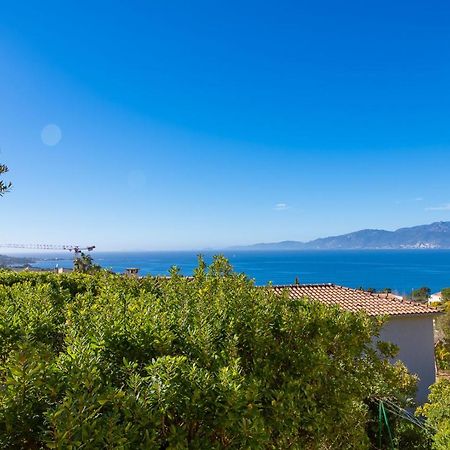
{"points": [[437, 412], [421, 295], [103, 361], [443, 331], [442, 355], [445, 293]]}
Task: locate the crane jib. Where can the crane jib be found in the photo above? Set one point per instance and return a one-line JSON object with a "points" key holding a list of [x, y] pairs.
{"points": [[70, 248]]}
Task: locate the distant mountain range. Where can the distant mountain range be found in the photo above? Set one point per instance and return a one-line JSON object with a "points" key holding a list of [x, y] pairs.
{"points": [[435, 235]]}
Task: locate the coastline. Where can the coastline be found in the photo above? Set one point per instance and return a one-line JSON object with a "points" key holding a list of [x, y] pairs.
{"points": [[401, 270]]}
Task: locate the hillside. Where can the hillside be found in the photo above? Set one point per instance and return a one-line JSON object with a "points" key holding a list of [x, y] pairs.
{"points": [[9, 261], [435, 235]]}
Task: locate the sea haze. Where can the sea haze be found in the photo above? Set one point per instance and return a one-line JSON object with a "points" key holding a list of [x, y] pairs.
{"points": [[401, 270]]}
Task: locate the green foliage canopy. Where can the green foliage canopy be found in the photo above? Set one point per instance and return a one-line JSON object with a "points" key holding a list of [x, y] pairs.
{"points": [[437, 412], [104, 361], [421, 295], [445, 294], [85, 264], [443, 328]]}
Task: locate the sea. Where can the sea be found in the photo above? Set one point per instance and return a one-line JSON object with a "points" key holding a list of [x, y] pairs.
{"points": [[399, 270]]}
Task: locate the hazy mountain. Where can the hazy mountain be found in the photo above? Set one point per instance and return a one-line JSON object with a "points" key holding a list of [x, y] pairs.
{"points": [[8, 261], [435, 235]]}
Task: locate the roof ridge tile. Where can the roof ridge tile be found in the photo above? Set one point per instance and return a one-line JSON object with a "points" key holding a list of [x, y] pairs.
{"points": [[355, 299]]}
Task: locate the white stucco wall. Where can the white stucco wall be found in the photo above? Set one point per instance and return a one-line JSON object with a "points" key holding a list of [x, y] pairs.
{"points": [[415, 339]]}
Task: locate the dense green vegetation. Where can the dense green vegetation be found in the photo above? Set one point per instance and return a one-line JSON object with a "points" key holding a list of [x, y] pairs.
{"points": [[445, 295], [437, 411], [443, 329], [104, 361], [85, 264], [421, 295]]}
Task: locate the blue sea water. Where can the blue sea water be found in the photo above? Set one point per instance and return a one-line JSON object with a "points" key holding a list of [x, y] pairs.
{"points": [[400, 270]]}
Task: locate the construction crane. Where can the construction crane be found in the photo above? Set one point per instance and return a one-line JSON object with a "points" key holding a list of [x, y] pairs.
{"points": [[71, 248]]}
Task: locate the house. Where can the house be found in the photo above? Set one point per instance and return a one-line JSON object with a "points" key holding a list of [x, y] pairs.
{"points": [[435, 298], [409, 325]]}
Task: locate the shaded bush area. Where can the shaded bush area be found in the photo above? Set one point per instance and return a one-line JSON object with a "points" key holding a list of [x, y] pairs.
{"points": [[103, 361]]}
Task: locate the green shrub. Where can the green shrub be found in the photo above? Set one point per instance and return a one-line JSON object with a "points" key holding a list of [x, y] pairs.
{"points": [[102, 361], [437, 412]]}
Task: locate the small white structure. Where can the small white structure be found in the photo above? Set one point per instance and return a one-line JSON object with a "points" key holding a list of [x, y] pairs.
{"points": [[435, 298], [410, 325]]}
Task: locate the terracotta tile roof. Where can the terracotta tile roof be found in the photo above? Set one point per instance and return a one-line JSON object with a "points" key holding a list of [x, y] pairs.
{"points": [[356, 300]]}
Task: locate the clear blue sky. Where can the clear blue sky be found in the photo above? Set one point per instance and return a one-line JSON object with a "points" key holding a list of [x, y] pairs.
{"points": [[205, 124]]}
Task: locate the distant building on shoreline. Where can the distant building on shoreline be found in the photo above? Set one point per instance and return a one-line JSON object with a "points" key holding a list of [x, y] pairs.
{"points": [[435, 298]]}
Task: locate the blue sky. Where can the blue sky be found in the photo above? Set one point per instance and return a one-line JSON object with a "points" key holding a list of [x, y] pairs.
{"points": [[206, 124]]}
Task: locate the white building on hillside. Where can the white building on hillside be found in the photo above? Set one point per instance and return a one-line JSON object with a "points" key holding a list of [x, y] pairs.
{"points": [[435, 298]]}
